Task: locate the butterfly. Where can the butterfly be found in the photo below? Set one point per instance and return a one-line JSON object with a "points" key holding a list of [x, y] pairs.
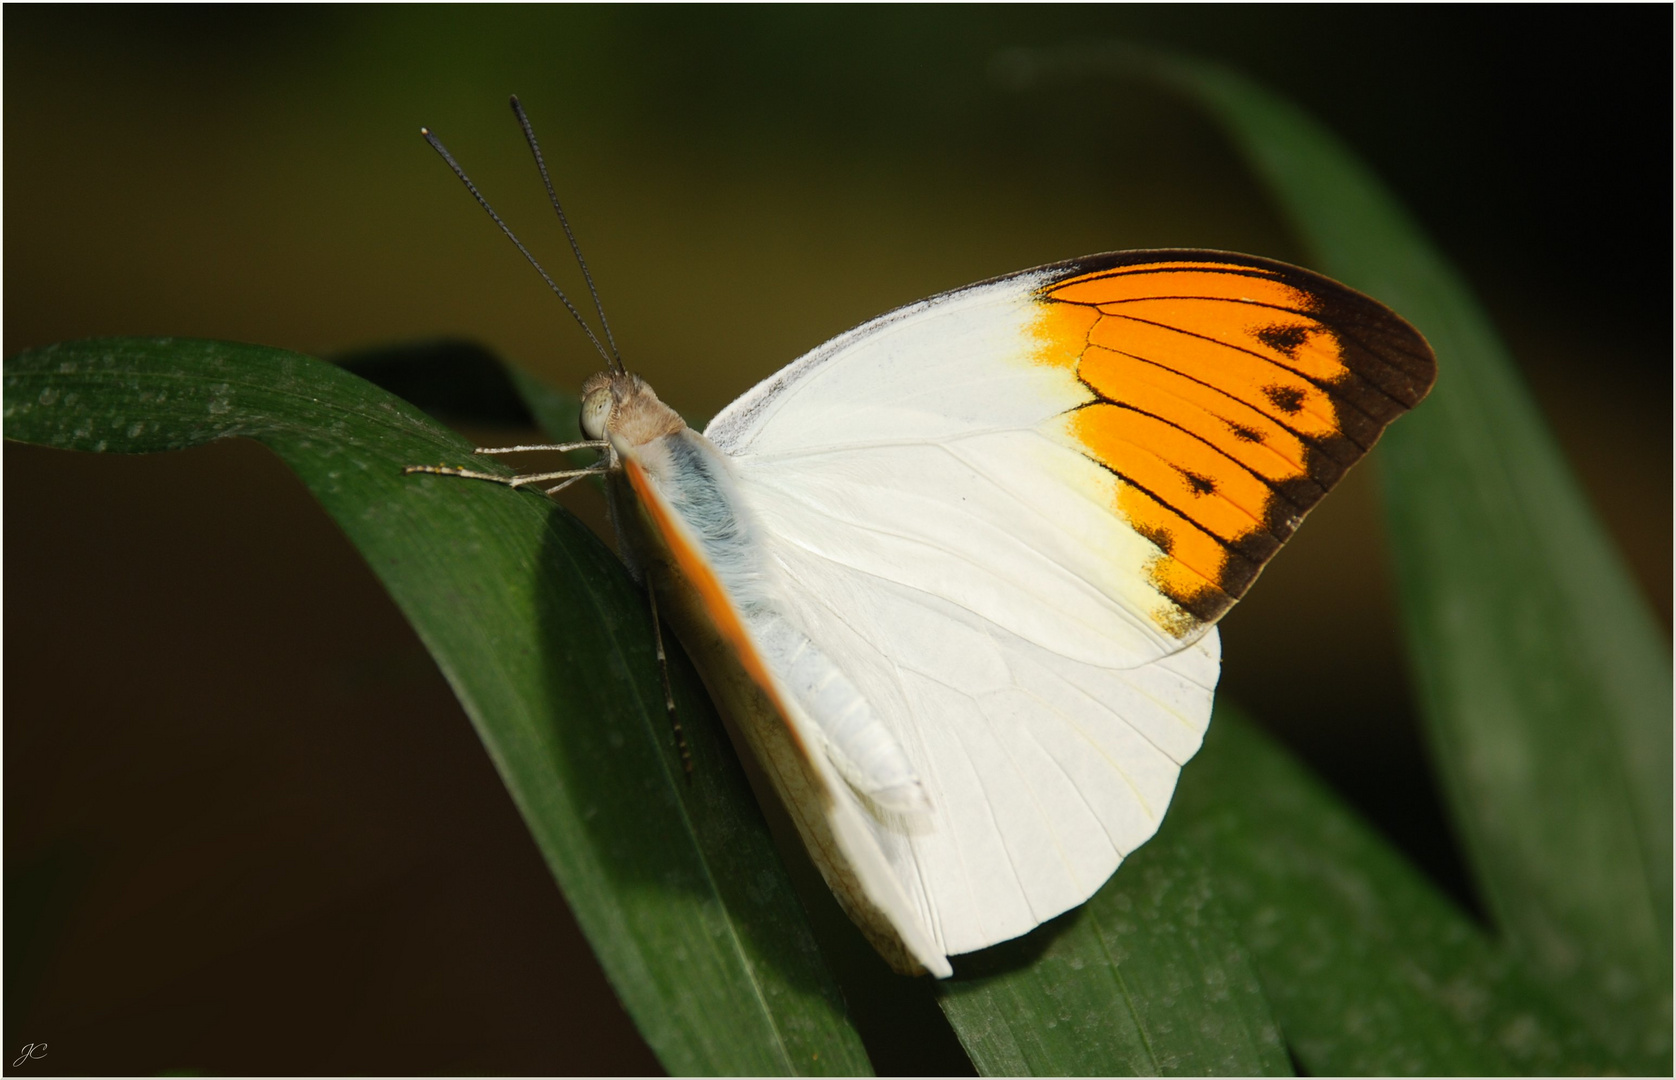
{"points": [[956, 573]]}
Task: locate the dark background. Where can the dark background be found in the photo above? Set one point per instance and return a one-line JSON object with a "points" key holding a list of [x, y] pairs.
{"points": [[247, 828]]}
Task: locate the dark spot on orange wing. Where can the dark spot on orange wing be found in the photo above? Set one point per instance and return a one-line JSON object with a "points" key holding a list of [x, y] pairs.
{"points": [[1208, 413], [1297, 497], [1302, 492], [1158, 536], [1201, 485], [1244, 433], [1283, 337], [1258, 546], [1288, 399], [1205, 605], [1239, 571]]}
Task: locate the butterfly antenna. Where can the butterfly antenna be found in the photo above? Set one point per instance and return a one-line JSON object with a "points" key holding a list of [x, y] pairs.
{"points": [[553, 196], [436, 144]]}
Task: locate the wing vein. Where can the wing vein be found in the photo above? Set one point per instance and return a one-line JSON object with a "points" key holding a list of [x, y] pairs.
{"points": [[1326, 387], [918, 542], [1189, 432]]}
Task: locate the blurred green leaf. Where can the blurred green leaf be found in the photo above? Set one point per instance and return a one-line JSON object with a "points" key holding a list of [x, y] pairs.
{"points": [[1369, 970], [548, 646], [1146, 979], [1545, 680]]}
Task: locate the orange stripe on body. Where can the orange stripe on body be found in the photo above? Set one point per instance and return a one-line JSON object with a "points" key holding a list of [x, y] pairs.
{"points": [[717, 605]]}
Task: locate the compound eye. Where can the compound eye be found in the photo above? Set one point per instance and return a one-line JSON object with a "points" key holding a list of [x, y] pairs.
{"points": [[596, 410]]}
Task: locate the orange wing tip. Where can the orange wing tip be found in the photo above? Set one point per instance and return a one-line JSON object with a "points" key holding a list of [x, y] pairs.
{"points": [[1228, 395]]}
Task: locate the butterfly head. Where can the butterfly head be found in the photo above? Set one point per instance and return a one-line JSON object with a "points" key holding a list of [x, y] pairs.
{"points": [[620, 407]]}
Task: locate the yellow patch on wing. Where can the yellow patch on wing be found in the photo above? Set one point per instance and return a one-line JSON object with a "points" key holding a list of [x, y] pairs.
{"points": [[1061, 334], [1231, 393]]}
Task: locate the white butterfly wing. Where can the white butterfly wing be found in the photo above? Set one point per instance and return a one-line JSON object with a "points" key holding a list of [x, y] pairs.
{"points": [[1009, 517], [926, 438], [1042, 771], [961, 565]]}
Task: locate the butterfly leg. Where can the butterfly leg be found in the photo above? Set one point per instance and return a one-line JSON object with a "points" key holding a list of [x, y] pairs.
{"points": [[568, 476], [668, 697], [589, 444]]}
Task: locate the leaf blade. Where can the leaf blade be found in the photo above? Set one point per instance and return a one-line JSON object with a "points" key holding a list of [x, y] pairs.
{"points": [[1369, 970], [681, 894], [1147, 979]]}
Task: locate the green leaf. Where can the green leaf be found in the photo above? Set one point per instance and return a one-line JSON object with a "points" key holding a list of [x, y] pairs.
{"points": [[1545, 680], [1146, 979], [547, 644], [1369, 970]]}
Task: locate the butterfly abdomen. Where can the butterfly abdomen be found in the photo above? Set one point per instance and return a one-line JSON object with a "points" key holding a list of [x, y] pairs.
{"points": [[694, 479], [686, 527], [858, 744]]}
